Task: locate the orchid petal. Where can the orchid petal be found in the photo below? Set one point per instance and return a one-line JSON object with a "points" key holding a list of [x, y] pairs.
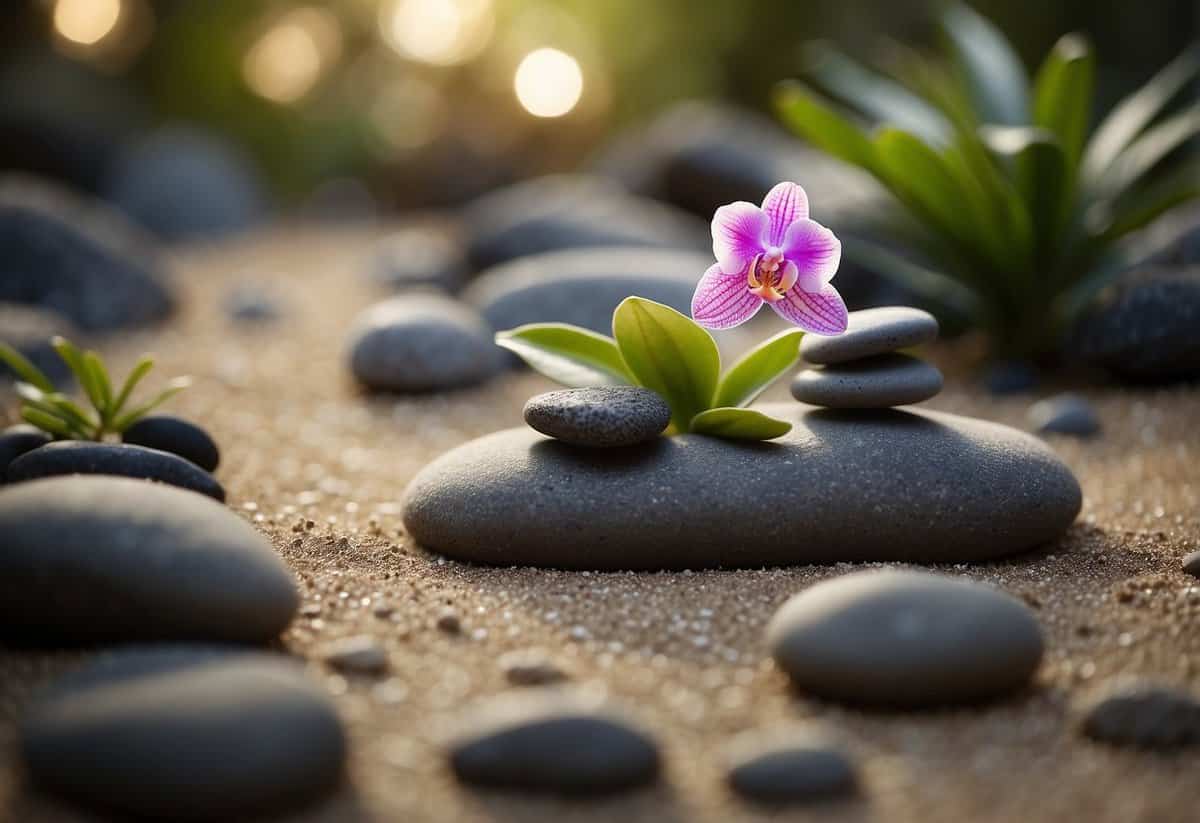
{"points": [[784, 205], [737, 231], [815, 251], [820, 312], [723, 301]]}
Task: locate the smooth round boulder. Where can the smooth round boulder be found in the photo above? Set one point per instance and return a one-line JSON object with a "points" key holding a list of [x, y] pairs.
{"points": [[874, 383], [600, 417], [1139, 713], [67, 457], [185, 735], [552, 745], [908, 486], [785, 772], [905, 639], [870, 332], [421, 343], [16, 441], [175, 435], [108, 559]]}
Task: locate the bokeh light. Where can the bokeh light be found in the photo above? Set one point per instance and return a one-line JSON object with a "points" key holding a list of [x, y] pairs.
{"points": [[548, 83], [86, 22], [286, 62], [439, 32]]}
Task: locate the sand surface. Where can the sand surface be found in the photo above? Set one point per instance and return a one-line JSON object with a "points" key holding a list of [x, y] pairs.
{"points": [[321, 469]]}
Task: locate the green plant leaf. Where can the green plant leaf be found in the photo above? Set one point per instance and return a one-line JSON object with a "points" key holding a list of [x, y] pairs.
{"points": [[1144, 205], [126, 420], [739, 424], [1036, 162], [58, 405], [567, 354], [99, 375], [667, 352], [873, 94], [74, 359], [47, 422], [1131, 116], [1148, 151], [995, 78], [1062, 95], [144, 364], [820, 124], [758, 368], [23, 369]]}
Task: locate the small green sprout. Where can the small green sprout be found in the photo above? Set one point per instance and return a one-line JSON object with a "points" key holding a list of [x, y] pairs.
{"points": [[53, 412]]}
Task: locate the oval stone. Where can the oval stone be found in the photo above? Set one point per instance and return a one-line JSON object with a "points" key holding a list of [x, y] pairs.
{"points": [[117, 459], [909, 485], [16, 441], [90, 559], [803, 770], [905, 639], [870, 332], [177, 436], [875, 383], [604, 416], [179, 735], [1068, 414], [1131, 711]]}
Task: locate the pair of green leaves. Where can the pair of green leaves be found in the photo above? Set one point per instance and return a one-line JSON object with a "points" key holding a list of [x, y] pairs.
{"points": [[55, 413], [657, 347]]}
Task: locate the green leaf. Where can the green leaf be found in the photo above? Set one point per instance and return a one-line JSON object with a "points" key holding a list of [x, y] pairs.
{"points": [[567, 354], [759, 368], [78, 418], [1131, 116], [996, 80], [23, 369], [173, 388], [144, 364], [921, 178], [820, 124], [873, 94], [739, 424], [99, 375], [1148, 151], [667, 352], [46, 422], [1146, 204], [1062, 95], [74, 359], [1037, 164]]}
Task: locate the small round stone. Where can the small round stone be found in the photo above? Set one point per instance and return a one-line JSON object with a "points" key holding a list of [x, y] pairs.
{"points": [[1067, 414], [177, 436], [905, 639], [807, 769], [1142, 714], [604, 417], [361, 654], [1191, 564], [870, 332], [173, 734], [874, 383], [67, 457], [530, 667], [16, 441], [558, 745]]}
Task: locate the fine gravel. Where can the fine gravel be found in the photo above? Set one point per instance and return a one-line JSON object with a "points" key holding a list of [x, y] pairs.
{"points": [[320, 469]]}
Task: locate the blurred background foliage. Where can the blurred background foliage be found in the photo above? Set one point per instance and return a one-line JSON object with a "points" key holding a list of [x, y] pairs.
{"points": [[411, 102]]}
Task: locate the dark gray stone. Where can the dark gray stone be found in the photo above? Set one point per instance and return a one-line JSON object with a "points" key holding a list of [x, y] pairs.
{"points": [[183, 183], [1191, 564], [29, 330], [871, 332], [1141, 714], [784, 772], [16, 441], [1143, 328], [77, 258], [841, 486], [360, 654], [1064, 414], [552, 744], [177, 436], [563, 212], [874, 383], [427, 255], [905, 639], [181, 734], [251, 304], [421, 343], [604, 416], [584, 286], [68, 457], [91, 559], [530, 667]]}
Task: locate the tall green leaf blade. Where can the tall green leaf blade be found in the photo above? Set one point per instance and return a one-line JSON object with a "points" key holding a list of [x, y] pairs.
{"points": [[144, 364], [758, 368], [1135, 113], [667, 352], [99, 376], [1148, 151], [823, 126], [47, 422], [24, 369], [567, 354], [1146, 204], [74, 359], [996, 79], [173, 388], [739, 424], [1062, 95], [1037, 165]]}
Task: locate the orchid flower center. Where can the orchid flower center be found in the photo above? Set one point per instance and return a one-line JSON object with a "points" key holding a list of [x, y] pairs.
{"points": [[770, 275]]}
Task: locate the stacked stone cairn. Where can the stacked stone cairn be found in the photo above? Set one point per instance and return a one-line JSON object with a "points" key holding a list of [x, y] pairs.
{"points": [[863, 367]]}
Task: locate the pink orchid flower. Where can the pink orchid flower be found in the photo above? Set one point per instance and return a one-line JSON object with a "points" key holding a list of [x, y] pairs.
{"points": [[774, 255]]}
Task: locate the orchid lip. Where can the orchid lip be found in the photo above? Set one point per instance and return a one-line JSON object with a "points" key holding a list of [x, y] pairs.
{"points": [[767, 280]]}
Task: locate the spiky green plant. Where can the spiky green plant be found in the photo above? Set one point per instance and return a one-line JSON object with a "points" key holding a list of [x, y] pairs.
{"points": [[1016, 206], [56, 414]]}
